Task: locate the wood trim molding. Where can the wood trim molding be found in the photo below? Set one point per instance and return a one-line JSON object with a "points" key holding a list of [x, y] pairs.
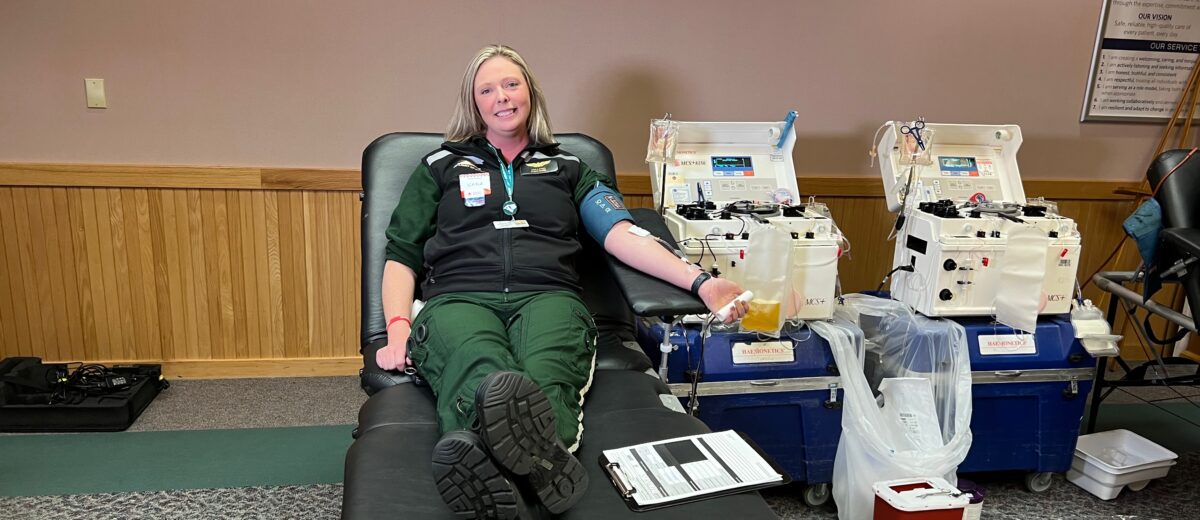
{"points": [[329, 179], [311, 179], [118, 176], [193, 177], [249, 368]]}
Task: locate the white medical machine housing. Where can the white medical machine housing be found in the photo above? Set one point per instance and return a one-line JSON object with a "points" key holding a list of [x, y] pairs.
{"points": [[957, 253], [730, 164]]}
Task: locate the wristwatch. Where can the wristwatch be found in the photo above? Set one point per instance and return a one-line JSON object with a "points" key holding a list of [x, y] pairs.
{"points": [[700, 279]]}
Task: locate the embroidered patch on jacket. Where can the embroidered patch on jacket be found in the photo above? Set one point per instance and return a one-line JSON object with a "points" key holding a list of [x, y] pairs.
{"points": [[539, 167], [467, 165]]}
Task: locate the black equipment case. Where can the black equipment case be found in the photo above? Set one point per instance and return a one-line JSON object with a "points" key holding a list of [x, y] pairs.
{"points": [[37, 397]]}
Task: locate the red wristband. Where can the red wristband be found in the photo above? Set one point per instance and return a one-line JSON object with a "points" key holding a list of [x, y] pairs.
{"points": [[398, 318]]}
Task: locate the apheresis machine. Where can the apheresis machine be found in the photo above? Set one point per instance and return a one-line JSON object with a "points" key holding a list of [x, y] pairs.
{"points": [[724, 181], [967, 239]]}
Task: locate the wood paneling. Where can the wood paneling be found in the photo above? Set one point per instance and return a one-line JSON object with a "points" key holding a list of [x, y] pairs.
{"points": [[210, 177], [178, 274], [254, 271]]}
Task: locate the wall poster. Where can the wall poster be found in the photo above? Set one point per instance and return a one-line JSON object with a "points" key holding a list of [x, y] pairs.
{"points": [[1144, 53]]}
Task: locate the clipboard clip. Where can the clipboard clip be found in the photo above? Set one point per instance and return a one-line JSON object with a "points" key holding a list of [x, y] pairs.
{"points": [[614, 474]]}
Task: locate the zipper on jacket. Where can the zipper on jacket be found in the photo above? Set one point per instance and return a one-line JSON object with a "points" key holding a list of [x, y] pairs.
{"points": [[506, 237], [506, 245]]}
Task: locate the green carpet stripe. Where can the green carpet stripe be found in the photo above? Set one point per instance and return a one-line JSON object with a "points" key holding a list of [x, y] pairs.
{"points": [[1154, 424], [153, 461]]}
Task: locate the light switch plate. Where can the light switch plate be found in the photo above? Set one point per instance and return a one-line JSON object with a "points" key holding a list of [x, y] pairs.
{"points": [[95, 93]]}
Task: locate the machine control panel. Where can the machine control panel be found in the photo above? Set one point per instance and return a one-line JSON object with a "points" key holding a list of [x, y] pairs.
{"points": [[963, 177], [975, 163], [728, 162], [722, 178]]}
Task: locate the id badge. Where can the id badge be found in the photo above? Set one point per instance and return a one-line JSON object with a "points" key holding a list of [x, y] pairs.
{"points": [[473, 198], [510, 224], [478, 184]]}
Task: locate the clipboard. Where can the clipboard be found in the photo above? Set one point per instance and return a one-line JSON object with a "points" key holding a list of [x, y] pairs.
{"points": [[626, 491]]}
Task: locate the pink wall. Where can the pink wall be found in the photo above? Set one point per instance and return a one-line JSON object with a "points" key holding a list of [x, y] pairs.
{"points": [[308, 84]]}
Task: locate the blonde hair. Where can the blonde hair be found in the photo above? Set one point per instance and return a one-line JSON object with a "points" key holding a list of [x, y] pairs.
{"points": [[466, 121]]}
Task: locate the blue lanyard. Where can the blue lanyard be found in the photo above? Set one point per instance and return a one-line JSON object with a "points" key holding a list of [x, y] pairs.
{"points": [[506, 173]]}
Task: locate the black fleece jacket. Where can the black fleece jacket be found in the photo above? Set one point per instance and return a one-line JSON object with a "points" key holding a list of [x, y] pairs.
{"points": [[454, 247]]}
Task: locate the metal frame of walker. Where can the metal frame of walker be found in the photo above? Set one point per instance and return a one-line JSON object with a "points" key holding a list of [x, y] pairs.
{"points": [[1113, 282]]}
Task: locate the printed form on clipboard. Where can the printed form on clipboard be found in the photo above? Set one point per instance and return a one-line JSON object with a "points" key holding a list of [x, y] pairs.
{"points": [[686, 469]]}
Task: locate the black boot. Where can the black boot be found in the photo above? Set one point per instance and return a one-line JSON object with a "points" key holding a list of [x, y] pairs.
{"points": [[471, 483], [518, 428]]}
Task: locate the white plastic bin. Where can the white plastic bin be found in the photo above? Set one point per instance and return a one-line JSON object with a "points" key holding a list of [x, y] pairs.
{"points": [[1106, 462]]}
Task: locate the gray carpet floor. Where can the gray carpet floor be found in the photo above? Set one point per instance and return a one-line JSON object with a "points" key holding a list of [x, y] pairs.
{"points": [[259, 403], [253, 403], [1173, 497], [319, 501]]}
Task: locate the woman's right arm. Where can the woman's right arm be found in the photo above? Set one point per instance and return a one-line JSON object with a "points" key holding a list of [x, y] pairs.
{"points": [[413, 222], [399, 282]]}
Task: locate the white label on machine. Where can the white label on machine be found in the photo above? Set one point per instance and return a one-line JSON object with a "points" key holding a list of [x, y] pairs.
{"points": [[681, 195], [1000, 344], [763, 352]]}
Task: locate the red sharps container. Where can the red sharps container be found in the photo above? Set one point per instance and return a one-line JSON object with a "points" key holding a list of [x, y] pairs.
{"points": [[919, 499]]}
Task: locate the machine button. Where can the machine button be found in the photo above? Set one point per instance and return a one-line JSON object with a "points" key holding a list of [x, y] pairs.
{"points": [[980, 234], [1054, 234], [729, 236], [746, 236], [945, 295], [795, 235], [809, 235], [949, 265]]}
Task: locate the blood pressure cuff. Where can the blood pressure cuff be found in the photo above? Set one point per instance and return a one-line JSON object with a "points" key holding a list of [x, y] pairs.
{"points": [[601, 209]]}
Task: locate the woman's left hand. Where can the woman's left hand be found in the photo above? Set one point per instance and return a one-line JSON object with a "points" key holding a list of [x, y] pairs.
{"points": [[716, 292]]}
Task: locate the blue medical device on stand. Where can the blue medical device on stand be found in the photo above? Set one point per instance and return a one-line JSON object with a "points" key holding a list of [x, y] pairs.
{"points": [[785, 394], [1028, 397]]}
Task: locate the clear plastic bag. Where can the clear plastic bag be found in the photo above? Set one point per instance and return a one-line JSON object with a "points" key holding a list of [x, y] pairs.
{"points": [[876, 444], [664, 135], [768, 262], [1093, 330], [914, 145], [909, 403]]}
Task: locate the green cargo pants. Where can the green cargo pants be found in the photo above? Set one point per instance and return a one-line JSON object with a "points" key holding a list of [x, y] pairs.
{"points": [[459, 338]]}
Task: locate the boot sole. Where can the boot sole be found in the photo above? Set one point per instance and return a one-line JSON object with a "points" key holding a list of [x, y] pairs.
{"points": [[471, 484], [519, 429]]}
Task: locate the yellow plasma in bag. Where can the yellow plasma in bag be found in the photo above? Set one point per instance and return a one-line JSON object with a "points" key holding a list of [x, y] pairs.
{"points": [[763, 316]]}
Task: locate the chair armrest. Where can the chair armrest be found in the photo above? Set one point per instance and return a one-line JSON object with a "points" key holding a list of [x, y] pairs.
{"points": [[373, 378], [648, 296], [1186, 240]]}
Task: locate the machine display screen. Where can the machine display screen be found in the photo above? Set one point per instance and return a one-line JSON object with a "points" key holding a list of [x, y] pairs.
{"points": [[732, 166], [731, 162], [957, 163]]}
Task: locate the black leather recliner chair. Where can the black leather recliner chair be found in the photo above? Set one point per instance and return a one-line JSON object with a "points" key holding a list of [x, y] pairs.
{"points": [[1179, 241], [387, 467]]}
